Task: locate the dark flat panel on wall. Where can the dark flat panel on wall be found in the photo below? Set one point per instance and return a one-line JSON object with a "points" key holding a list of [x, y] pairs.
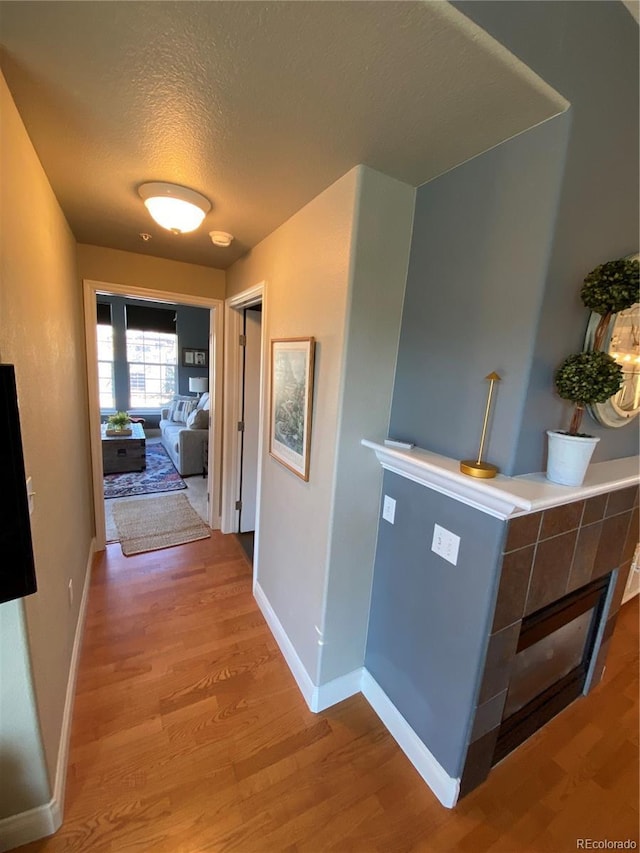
{"points": [[429, 619], [17, 567]]}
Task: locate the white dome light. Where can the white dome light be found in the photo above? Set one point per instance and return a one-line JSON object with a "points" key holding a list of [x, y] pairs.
{"points": [[175, 208]]}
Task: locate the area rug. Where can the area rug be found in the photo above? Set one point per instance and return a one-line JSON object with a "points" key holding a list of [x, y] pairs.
{"points": [[149, 525], [160, 475]]}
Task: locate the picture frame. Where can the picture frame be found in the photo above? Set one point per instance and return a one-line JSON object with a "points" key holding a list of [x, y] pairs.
{"points": [[194, 357], [291, 403]]}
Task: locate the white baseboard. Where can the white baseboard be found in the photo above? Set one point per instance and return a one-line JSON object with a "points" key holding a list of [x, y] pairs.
{"points": [[29, 826], [318, 698], [326, 695], [46, 819], [298, 670], [445, 787]]}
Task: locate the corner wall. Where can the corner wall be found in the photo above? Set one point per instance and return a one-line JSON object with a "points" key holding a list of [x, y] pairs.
{"points": [[41, 332], [306, 266], [335, 270]]}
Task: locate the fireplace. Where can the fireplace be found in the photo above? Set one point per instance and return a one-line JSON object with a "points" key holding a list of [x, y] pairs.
{"points": [[551, 664]]}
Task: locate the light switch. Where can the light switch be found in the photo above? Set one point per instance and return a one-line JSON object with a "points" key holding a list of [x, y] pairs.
{"points": [[389, 509]]}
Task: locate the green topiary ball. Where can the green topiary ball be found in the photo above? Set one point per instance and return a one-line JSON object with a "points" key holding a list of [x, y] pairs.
{"points": [[611, 287], [588, 377]]}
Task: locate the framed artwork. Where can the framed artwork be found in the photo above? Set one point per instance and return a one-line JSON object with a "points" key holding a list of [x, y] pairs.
{"points": [[194, 357], [291, 403]]}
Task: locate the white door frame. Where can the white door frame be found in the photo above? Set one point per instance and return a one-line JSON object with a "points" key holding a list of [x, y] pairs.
{"points": [[234, 306], [215, 306]]}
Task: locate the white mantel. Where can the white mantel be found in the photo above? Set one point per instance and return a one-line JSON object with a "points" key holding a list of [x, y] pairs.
{"points": [[502, 497]]}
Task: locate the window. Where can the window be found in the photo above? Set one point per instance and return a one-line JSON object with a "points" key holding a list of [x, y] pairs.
{"points": [[152, 356], [105, 357]]}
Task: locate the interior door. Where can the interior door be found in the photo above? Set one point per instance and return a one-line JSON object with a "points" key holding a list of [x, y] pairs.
{"points": [[250, 418]]}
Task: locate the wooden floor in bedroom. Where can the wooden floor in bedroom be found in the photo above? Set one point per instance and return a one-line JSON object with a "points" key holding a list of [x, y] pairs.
{"points": [[190, 735]]}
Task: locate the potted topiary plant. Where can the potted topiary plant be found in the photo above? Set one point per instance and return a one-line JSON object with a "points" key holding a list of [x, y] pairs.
{"points": [[608, 289], [583, 378], [118, 424]]}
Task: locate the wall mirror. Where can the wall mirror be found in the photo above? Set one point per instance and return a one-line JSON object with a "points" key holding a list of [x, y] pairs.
{"points": [[622, 342]]}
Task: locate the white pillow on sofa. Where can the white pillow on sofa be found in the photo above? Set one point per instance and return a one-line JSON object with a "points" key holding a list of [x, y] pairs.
{"points": [[180, 410], [204, 401], [198, 419]]}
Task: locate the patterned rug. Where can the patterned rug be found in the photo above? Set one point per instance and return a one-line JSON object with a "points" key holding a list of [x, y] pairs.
{"points": [[160, 475]]}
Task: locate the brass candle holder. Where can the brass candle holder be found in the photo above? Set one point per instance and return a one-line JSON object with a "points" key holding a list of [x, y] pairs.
{"points": [[478, 468]]}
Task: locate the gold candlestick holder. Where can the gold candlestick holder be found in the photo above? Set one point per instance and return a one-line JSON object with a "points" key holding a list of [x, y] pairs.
{"points": [[476, 467]]}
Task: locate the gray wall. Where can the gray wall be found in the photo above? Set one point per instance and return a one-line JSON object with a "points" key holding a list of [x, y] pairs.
{"points": [[429, 619], [479, 254], [589, 52], [379, 260]]}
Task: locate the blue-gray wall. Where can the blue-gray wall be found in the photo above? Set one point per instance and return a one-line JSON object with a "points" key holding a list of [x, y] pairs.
{"points": [[589, 51], [500, 247], [192, 327], [502, 243], [429, 620], [479, 254]]}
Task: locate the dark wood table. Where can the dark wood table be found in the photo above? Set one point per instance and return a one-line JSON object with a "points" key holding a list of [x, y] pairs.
{"points": [[124, 453]]}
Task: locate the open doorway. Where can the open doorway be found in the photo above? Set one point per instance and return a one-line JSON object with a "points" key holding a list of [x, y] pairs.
{"points": [[251, 347], [244, 372], [205, 364]]}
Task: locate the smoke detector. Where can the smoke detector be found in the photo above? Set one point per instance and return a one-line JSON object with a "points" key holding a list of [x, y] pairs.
{"points": [[221, 238]]}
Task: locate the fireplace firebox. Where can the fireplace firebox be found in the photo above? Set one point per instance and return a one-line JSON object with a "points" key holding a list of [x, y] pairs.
{"points": [[551, 665]]}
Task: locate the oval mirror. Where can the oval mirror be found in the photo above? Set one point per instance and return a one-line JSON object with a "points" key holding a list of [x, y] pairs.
{"points": [[622, 342]]}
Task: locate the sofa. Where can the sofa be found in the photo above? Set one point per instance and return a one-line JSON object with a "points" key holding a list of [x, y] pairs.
{"points": [[184, 433]]}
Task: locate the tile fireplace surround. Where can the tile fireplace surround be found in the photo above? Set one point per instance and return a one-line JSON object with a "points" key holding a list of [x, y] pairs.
{"points": [[556, 540]]}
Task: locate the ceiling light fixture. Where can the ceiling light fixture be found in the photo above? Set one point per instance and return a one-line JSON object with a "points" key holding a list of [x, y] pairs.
{"points": [[175, 208], [221, 238]]}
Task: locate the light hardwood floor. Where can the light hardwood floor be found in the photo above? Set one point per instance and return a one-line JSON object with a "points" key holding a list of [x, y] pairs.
{"points": [[190, 735]]}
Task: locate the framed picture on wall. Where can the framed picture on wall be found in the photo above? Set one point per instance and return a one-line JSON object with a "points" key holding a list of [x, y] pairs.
{"points": [[194, 357], [291, 403]]}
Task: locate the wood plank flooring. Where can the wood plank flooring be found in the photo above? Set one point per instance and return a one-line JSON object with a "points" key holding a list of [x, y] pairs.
{"points": [[190, 735]]}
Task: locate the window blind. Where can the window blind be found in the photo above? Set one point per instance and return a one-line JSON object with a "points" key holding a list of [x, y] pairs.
{"points": [[149, 319], [104, 313]]}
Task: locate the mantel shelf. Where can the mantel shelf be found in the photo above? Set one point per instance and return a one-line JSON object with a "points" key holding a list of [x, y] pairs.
{"points": [[502, 497]]}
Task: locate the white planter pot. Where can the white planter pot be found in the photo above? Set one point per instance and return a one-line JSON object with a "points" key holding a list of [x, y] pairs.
{"points": [[568, 457]]}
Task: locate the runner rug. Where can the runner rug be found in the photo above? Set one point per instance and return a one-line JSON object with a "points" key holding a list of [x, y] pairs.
{"points": [[148, 525], [160, 475]]}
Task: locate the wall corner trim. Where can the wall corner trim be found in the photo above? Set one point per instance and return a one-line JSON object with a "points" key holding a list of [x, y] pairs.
{"points": [[298, 670], [318, 698], [29, 826], [445, 787], [46, 819]]}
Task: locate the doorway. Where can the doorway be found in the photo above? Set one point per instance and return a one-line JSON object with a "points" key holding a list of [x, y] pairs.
{"points": [[215, 345], [244, 379]]}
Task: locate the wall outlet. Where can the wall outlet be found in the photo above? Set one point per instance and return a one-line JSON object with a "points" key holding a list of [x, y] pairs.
{"points": [[70, 591], [389, 509], [445, 543], [30, 494]]}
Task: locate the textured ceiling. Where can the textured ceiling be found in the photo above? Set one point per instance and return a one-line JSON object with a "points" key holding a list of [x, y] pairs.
{"points": [[259, 106]]}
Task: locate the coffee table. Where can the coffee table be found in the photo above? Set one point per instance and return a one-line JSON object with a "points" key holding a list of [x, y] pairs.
{"points": [[124, 453]]}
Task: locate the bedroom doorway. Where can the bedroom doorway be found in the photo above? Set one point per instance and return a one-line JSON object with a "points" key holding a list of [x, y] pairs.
{"points": [[244, 383], [209, 485]]}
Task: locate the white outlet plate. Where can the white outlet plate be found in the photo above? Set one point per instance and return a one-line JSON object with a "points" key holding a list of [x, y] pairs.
{"points": [[389, 509], [446, 544], [30, 494]]}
